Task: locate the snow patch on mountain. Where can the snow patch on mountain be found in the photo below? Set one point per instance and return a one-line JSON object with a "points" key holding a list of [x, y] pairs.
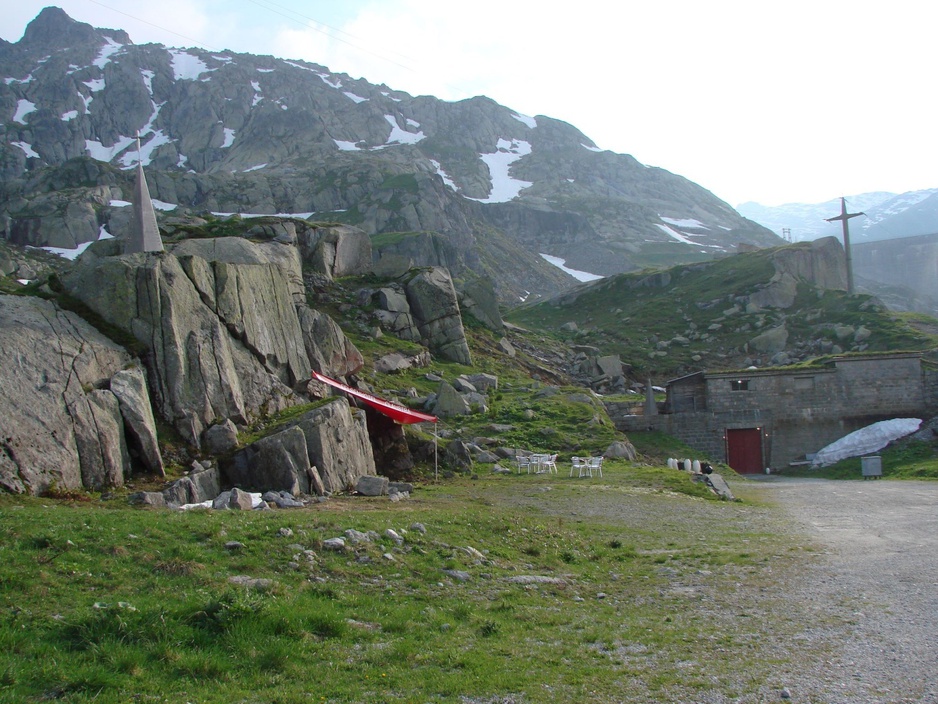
{"points": [[900, 204], [27, 149], [399, 136], [575, 273], [524, 119], [674, 233], [327, 79], [23, 108], [72, 254], [147, 79], [504, 187], [104, 56], [684, 222], [685, 236], [442, 174], [186, 66], [11, 81], [130, 159], [98, 151]]}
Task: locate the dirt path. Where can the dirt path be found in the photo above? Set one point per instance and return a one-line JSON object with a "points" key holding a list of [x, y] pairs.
{"points": [[881, 564]]}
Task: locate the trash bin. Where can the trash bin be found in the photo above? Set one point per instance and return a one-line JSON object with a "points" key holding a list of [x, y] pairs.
{"points": [[872, 467]]}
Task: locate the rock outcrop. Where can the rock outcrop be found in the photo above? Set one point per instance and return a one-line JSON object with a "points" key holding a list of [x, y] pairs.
{"points": [[220, 324], [477, 298], [333, 438], [435, 309], [67, 393], [130, 388], [336, 251]]}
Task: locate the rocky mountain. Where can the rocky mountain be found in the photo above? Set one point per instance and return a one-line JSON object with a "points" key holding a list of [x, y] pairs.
{"points": [[470, 185], [888, 216]]}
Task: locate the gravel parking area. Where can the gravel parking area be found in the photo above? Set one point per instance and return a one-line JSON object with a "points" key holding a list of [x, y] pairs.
{"points": [[848, 616], [879, 572]]}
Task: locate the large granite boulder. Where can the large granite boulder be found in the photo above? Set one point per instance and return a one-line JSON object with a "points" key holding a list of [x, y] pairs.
{"points": [[435, 309], [279, 462], [130, 388], [336, 251], [208, 356], [332, 438], [338, 444], [99, 439], [330, 352], [821, 262], [234, 250], [63, 219], [477, 298], [770, 341], [200, 484], [61, 424], [393, 312], [449, 402]]}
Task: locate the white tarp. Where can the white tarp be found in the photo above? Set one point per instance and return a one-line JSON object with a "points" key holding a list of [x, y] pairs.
{"points": [[865, 440]]}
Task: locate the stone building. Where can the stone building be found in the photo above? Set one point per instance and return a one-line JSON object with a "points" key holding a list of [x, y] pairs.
{"points": [[754, 419]]}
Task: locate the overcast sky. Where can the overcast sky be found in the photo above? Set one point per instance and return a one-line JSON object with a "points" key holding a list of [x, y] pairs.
{"points": [[756, 100]]}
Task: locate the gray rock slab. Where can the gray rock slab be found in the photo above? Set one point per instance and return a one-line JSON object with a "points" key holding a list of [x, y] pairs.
{"points": [[278, 462], [130, 388], [49, 360], [220, 438], [372, 486]]}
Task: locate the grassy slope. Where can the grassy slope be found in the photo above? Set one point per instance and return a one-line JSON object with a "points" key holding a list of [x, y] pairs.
{"points": [[105, 603]]}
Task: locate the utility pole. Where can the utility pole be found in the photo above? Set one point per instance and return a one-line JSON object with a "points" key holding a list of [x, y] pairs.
{"points": [[844, 217]]}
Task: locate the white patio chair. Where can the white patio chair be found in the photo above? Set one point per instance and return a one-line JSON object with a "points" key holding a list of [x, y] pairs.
{"points": [[524, 462], [549, 464], [596, 463], [580, 464]]}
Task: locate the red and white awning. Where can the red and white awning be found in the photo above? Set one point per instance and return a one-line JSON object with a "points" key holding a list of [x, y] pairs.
{"points": [[395, 411]]}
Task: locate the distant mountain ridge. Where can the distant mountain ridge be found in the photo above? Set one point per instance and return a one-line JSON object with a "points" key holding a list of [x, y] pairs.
{"points": [[471, 185], [888, 216]]}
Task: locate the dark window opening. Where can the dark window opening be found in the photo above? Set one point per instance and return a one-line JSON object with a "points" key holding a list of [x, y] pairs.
{"points": [[740, 385]]}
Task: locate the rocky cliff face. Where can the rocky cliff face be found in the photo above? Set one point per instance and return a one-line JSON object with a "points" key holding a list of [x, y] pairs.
{"points": [[226, 132], [67, 393], [220, 325]]}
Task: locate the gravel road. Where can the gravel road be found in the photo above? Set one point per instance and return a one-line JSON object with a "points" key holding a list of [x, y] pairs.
{"points": [[879, 565]]}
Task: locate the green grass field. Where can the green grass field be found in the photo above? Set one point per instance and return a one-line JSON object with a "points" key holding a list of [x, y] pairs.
{"points": [[104, 603]]}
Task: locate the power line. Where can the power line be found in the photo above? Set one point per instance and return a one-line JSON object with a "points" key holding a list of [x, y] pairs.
{"points": [[164, 29], [316, 25]]}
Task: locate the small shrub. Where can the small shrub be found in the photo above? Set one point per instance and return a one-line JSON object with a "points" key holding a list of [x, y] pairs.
{"points": [[488, 628]]}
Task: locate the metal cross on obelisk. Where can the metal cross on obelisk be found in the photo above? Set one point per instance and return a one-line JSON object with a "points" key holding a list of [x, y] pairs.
{"points": [[843, 217]]}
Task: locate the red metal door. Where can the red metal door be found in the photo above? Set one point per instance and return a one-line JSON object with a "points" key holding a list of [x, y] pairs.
{"points": [[744, 450]]}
